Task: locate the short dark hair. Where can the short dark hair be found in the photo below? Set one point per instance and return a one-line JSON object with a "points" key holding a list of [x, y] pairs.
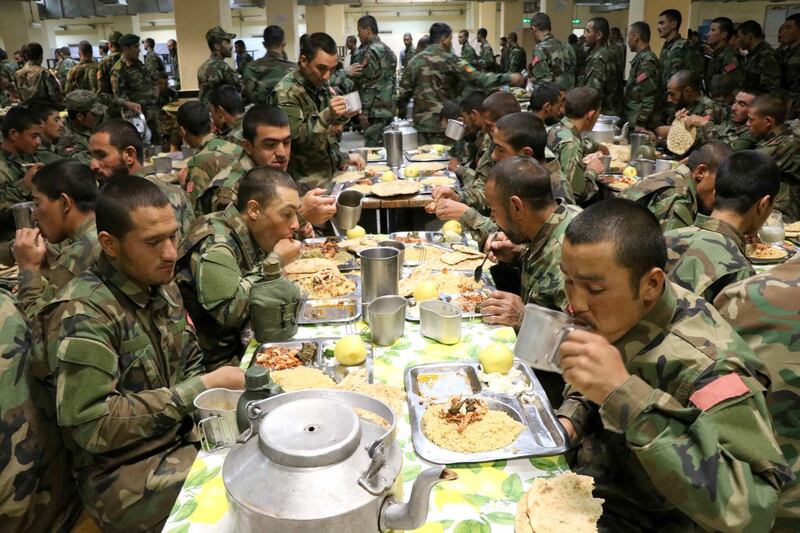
{"points": [[546, 93], [500, 104], [524, 129], [725, 25], [262, 115], [440, 30], [524, 178], [450, 110], [228, 98], [274, 36], [572, 39], [239, 42], [600, 24], [41, 111], [794, 18], [482, 32], [19, 119], [642, 29], [580, 101], [316, 42], [72, 178], [103, 47], [633, 230], [368, 22], [85, 48], [541, 21], [673, 15], [710, 154], [33, 52], [3, 54], [464, 32], [743, 178], [721, 85], [122, 135], [688, 78], [770, 105], [751, 27], [193, 117], [261, 184], [150, 42], [119, 198], [472, 101], [512, 36]]}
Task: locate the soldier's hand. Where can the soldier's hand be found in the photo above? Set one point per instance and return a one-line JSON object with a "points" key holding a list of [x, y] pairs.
{"points": [[30, 173], [695, 121], [504, 308], [363, 121], [662, 131], [226, 377], [569, 428], [517, 80], [288, 249], [183, 174], [594, 162], [133, 107], [307, 231], [447, 209], [500, 248], [356, 161], [453, 164], [338, 106], [317, 208], [29, 248], [592, 365], [441, 192], [354, 69]]}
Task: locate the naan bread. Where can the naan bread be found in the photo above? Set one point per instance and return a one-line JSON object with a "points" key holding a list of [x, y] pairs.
{"points": [[363, 188], [467, 250], [375, 170], [619, 154], [680, 139], [425, 157], [395, 188], [559, 504], [438, 180], [348, 175], [310, 266], [454, 258]]}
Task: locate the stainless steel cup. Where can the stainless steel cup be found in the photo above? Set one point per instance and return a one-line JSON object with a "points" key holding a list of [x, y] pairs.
{"points": [[352, 102], [364, 153], [163, 164], [645, 167], [635, 141], [540, 336], [606, 163], [216, 413], [663, 165], [401, 258], [393, 141], [387, 318], [23, 215], [348, 209], [440, 321], [379, 275], [455, 130]]}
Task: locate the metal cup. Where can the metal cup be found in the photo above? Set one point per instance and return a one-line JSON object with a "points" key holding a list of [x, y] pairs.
{"points": [[163, 164], [364, 153], [387, 318], [23, 215], [393, 141], [455, 130], [606, 163], [636, 140], [348, 209], [216, 412], [645, 167], [380, 275], [663, 165], [401, 258], [352, 102], [440, 321]]}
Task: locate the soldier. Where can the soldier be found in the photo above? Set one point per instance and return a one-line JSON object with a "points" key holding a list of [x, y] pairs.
{"points": [[152, 61], [242, 57], [617, 45], [227, 111], [303, 94], [215, 71], [435, 76], [21, 137], [767, 123], [375, 83], [104, 75], [517, 59], [261, 75], [486, 57], [757, 309], [684, 93], [214, 153], [83, 76], [644, 81], [122, 364], [172, 46], [408, 52], [504, 52], [64, 64], [762, 70], [724, 60], [51, 127], [467, 52], [790, 62], [131, 81], [677, 54], [220, 260], [601, 67], [103, 48], [470, 113], [734, 130], [547, 104], [36, 489], [84, 112], [35, 83], [552, 61], [709, 255], [351, 44], [64, 194]]}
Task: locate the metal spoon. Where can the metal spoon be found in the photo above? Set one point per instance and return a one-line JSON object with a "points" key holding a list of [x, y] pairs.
{"points": [[479, 270]]}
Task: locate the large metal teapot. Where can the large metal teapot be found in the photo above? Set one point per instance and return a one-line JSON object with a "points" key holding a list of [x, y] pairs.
{"points": [[605, 130], [309, 463], [405, 127]]}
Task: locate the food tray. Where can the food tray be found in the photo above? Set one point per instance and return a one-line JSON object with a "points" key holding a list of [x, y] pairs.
{"points": [[543, 436], [355, 293], [412, 154], [375, 154], [412, 313], [409, 262], [330, 310], [790, 251], [352, 264], [328, 365], [431, 237]]}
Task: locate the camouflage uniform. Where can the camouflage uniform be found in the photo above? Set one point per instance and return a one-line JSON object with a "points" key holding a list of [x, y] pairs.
{"points": [[469, 55], [217, 267], [784, 148], [790, 67], [123, 367], [676, 55], [553, 62], [104, 89], [62, 69], [763, 310], [131, 81], [642, 90], [315, 150], [601, 74], [434, 76], [180, 203], [36, 489], [762, 71], [48, 152], [36, 84], [224, 189], [12, 190], [376, 87], [234, 134], [517, 59], [83, 76], [578, 185], [474, 181], [214, 156], [241, 61], [340, 83], [669, 195], [504, 53], [486, 58], [155, 65], [477, 225], [724, 61], [736, 135], [214, 73], [261, 76], [407, 54], [74, 141], [706, 257], [580, 59], [685, 444]]}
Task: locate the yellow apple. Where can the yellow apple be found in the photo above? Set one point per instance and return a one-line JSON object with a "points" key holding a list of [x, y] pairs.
{"points": [[388, 176], [496, 358], [426, 290], [350, 350], [356, 233], [411, 171], [452, 225]]}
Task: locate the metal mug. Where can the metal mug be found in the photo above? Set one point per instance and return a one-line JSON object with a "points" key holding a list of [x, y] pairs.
{"points": [[379, 275], [401, 258], [606, 163], [456, 130], [364, 153], [23, 215], [540, 336], [348, 209], [387, 318], [644, 167], [163, 164], [663, 165], [352, 102], [216, 411], [440, 321], [393, 141], [636, 140]]}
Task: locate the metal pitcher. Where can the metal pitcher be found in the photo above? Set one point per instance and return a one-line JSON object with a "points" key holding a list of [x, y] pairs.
{"points": [[380, 275], [216, 410], [348, 209], [387, 318], [635, 141], [393, 142]]}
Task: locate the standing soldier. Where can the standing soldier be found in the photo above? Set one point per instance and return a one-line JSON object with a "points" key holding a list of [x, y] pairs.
{"points": [[131, 81], [172, 46], [517, 58], [375, 83], [35, 83], [486, 59], [790, 62], [643, 87], [552, 61], [242, 58], [104, 77], [152, 61], [261, 76], [215, 71], [83, 76], [409, 50], [467, 52], [762, 71], [601, 67], [677, 53], [64, 64], [724, 60], [503, 54]]}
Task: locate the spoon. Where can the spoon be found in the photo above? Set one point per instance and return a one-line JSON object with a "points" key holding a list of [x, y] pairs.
{"points": [[479, 270]]}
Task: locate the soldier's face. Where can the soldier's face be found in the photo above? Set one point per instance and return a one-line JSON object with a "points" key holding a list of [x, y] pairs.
{"points": [[675, 93], [226, 48], [473, 121], [107, 160], [272, 146], [363, 34], [631, 41], [758, 125], [745, 40], [506, 213], [27, 141], [590, 34], [275, 222], [503, 150], [239, 48], [741, 103], [171, 46], [715, 36], [664, 26], [462, 39], [407, 41], [318, 70], [488, 122], [53, 127], [131, 52], [49, 216], [791, 32]]}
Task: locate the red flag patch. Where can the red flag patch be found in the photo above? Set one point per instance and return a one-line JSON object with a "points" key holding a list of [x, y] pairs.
{"points": [[536, 59], [190, 186], [719, 390], [730, 67], [641, 77]]}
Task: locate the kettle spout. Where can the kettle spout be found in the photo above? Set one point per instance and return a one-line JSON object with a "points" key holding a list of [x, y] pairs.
{"points": [[623, 134], [412, 514]]}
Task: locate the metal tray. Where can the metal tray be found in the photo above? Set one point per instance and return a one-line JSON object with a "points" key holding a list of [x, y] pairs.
{"points": [[412, 312], [414, 263], [356, 293], [790, 251], [543, 436], [330, 310], [328, 365], [409, 154], [352, 264], [431, 237]]}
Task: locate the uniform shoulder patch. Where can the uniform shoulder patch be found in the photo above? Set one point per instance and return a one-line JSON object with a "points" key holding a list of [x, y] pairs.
{"points": [[536, 59], [730, 67], [641, 77], [719, 390]]}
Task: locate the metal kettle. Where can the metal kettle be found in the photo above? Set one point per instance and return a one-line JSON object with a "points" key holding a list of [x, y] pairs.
{"points": [[309, 463], [605, 131], [410, 141]]}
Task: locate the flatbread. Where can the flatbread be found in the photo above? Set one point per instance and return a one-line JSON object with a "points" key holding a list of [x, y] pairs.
{"points": [[620, 154], [310, 266], [438, 180], [395, 188], [356, 245], [363, 188], [348, 175], [561, 503], [425, 157], [433, 148], [375, 170], [467, 250], [680, 139], [454, 258]]}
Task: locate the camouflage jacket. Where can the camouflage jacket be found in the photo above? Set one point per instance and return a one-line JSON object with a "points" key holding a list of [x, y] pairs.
{"points": [[224, 189], [784, 148], [553, 62], [434, 76], [216, 269], [123, 367], [104, 72], [131, 81], [12, 190], [36, 488], [214, 73], [601, 74], [155, 65], [407, 54], [486, 58], [241, 61], [504, 53], [234, 134], [48, 152], [75, 141], [75, 255], [517, 59], [315, 149], [706, 257], [477, 225], [36, 84], [469, 55], [724, 60], [679, 54], [83, 76], [762, 70], [474, 182], [375, 84], [540, 264], [578, 185], [214, 156], [763, 310], [669, 195], [62, 69], [642, 90], [690, 413], [790, 67], [262, 75], [736, 135], [180, 203]]}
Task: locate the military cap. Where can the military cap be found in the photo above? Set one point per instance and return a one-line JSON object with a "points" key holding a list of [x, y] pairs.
{"points": [[80, 101], [129, 39], [217, 34], [115, 37]]}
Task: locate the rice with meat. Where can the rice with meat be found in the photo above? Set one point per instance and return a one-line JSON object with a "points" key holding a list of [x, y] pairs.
{"points": [[493, 431]]}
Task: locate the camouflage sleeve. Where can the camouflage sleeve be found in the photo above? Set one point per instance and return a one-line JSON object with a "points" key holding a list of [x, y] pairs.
{"points": [[770, 73], [222, 288], [70, 85], [367, 81], [249, 84], [118, 85], [486, 58], [474, 195], [407, 84], [516, 63], [647, 85], [539, 71], [673, 212], [479, 226], [484, 80], [54, 90], [31, 289], [570, 159], [231, 77], [595, 76]]}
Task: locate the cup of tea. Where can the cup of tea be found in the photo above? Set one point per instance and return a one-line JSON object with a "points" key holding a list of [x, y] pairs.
{"points": [[352, 102], [23, 215]]}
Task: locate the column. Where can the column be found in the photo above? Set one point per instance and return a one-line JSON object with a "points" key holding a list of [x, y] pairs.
{"points": [[648, 11], [192, 19], [126, 24], [561, 14], [284, 13], [487, 18], [511, 20], [19, 25], [327, 19]]}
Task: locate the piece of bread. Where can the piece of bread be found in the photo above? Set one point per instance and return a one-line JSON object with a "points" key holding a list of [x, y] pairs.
{"points": [[680, 139], [563, 503], [310, 266], [395, 188]]}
